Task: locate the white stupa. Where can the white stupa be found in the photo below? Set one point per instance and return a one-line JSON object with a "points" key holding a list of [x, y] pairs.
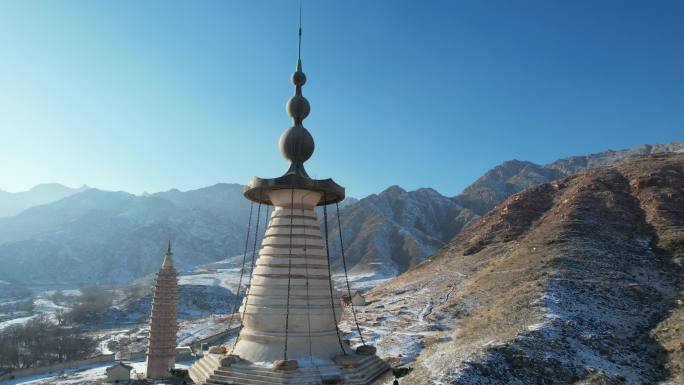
{"points": [[291, 311]]}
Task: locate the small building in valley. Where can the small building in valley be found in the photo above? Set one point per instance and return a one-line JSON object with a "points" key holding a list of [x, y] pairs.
{"points": [[119, 372], [184, 353]]}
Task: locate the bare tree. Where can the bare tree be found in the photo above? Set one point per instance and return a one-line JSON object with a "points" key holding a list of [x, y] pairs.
{"points": [[61, 316], [40, 342]]}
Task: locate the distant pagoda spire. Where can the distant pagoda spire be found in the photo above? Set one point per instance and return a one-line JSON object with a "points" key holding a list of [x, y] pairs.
{"points": [[161, 347], [168, 257]]}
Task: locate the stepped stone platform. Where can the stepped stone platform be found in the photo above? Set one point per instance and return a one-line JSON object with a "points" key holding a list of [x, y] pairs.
{"points": [[353, 369]]}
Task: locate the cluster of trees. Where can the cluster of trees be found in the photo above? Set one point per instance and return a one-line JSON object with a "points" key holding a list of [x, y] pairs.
{"points": [[16, 300], [17, 292], [59, 298], [85, 308], [23, 305], [40, 342], [136, 290]]}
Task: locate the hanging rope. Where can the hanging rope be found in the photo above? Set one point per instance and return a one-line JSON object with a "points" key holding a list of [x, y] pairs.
{"points": [[289, 275], [308, 298], [251, 271], [346, 276], [330, 282], [242, 270]]}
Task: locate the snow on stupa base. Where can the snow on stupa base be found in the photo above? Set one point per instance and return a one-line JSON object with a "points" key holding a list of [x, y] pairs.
{"points": [[344, 369]]}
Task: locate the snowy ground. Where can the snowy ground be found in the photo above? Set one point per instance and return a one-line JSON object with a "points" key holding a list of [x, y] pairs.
{"points": [[15, 321], [395, 326], [224, 277], [193, 330], [41, 306], [223, 274], [360, 281], [91, 374], [226, 274]]}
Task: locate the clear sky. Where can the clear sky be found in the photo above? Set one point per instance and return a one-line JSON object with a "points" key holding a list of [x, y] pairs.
{"points": [[152, 95]]}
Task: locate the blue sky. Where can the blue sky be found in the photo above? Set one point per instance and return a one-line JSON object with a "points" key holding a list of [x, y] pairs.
{"points": [[151, 95]]}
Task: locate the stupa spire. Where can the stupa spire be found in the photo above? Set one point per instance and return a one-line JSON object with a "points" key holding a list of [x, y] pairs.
{"points": [[297, 144], [168, 257], [299, 47]]}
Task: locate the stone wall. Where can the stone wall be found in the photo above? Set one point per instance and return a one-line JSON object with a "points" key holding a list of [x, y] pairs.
{"points": [[133, 356], [55, 367], [213, 339]]}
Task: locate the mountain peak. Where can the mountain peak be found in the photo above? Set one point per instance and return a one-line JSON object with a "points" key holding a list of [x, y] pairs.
{"points": [[43, 193], [394, 190], [51, 185]]}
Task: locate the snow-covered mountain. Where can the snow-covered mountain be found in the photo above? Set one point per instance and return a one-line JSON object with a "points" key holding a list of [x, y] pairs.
{"points": [[106, 237], [103, 236], [14, 203], [385, 234]]}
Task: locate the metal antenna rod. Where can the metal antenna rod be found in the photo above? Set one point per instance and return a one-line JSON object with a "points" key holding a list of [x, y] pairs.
{"points": [[299, 51]]}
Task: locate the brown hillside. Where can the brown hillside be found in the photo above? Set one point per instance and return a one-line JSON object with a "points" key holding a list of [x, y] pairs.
{"points": [[577, 281]]}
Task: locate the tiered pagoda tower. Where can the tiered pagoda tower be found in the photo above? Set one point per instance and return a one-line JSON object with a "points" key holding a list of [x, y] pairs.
{"points": [[161, 348], [291, 311]]}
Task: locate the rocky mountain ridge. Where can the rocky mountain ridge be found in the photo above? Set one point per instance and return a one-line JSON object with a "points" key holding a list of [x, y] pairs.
{"points": [[575, 281], [387, 233], [108, 237], [104, 236], [512, 176], [14, 203]]}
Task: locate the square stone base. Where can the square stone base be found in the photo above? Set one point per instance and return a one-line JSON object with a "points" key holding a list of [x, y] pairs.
{"points": [[354, 369]]}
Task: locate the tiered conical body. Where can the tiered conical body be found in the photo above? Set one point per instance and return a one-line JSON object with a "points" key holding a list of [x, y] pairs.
{"points": [[291, 246], [161, 348]]}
